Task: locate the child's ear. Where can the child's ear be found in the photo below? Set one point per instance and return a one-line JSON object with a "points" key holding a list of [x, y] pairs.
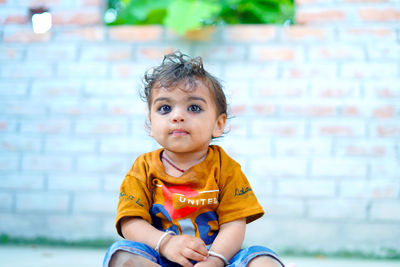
{"points": [[219, 126]]}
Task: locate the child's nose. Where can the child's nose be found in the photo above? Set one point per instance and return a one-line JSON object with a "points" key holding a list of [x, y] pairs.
{"points": [[178, 115]]}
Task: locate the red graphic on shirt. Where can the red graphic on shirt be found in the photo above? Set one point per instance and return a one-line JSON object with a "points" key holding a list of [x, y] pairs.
{"points": [[169, 206]]}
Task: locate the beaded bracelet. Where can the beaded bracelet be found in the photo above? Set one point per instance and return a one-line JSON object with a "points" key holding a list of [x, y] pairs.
{"points": [[162, 238], [212, 253]]}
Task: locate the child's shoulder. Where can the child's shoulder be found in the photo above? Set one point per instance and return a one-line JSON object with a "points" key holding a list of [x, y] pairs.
{"points": [[223, 156]]}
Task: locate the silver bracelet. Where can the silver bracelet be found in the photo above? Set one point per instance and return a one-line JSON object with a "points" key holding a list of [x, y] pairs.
{"points": [[162, 238], [215, 254]]}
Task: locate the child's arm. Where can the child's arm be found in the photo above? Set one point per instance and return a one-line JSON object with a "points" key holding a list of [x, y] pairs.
{"points": [[179, 249], [227, 243]]}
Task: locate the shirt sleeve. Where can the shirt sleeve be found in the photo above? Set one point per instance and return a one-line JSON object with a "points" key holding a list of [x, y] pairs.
{"points": [[237, 199], [134, 196]]}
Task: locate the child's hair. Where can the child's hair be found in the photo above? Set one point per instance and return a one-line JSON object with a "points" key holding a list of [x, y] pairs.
{"points": [[178, 67]]}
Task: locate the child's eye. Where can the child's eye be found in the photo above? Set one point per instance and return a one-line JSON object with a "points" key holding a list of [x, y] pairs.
{"points": [[194, 108], [164, 109]]}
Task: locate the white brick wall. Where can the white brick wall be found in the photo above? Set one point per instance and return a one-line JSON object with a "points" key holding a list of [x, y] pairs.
{"points": [[315, 125]]}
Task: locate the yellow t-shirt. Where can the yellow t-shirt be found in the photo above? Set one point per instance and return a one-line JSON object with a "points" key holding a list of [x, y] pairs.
{"points": [[207, 195]]}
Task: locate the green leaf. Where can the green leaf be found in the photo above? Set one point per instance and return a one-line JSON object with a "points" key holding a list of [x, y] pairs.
{"points": [[184, 15]]}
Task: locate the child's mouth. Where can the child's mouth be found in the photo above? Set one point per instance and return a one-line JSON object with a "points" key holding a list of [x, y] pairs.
{"points": [[178, 132]]}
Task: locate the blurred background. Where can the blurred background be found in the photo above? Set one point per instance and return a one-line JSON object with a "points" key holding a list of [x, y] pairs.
{"points": [[314, 93]]}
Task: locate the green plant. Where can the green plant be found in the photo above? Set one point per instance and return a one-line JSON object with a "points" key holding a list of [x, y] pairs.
{"points": [[184, 15]]}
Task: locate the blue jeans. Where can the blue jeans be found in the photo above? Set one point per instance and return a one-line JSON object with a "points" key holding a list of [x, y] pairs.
{"points": [[241, 259]]}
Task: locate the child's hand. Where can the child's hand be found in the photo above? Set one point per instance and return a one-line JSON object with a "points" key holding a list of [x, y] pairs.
{"points": [[210, 262], [183, 248]]}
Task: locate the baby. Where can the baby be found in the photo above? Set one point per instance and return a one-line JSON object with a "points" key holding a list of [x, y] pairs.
{"points": [[187, 203]]}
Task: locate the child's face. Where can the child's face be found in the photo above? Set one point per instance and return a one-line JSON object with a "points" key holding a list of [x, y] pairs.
{"points": [[185, 121]]}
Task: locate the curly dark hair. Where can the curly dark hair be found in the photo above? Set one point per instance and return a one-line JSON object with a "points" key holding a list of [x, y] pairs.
{"points": [[178, 67]]}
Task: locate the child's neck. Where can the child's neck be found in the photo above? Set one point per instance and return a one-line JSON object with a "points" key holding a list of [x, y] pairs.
{"points": [[176, 164]]}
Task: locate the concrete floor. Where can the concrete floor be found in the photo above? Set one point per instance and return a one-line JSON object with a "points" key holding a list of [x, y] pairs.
{"points": [[32, 256]]}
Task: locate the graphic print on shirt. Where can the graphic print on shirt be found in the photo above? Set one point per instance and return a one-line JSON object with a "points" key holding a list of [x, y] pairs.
{"points": [[186, 211]]}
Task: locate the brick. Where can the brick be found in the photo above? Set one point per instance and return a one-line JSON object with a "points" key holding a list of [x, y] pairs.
{"points": [[281, 128], [320, 70], [386, 111], [47, 3], [255, 147], [13, 88], [379, 14], [21, 107], [56, 88], [388, 89], [6, 200], [237, 90], [86, 16], [387, 129], [303, 148], [47, 162], [365, 148], [258, 109], [42, 202], [252, 71], [335, 89], [126, 107], [125, 145], [280, 207], [385, 168], [107, 53], [385, 210], [278, 167], [80, 34], [238, 128], [19, 143], [101, 126], [369, 70], [276, 53], [338, 128], [383, 52], [306, 188], [103, 164], [338, 168], [13, 15], [82, 70], [156, 52], [221, 53], [337, 52], [275, 88], [307, 110], [91, 203], [135, 33], [24, 34], [73, 182], [367, 33], [26, 225], [32, 69], [22, 181], [320, 15], [76, 107], [112, 183], [73, 227], [249, 33], [301, 33], [70, 144], [50, 52], [376, 188], [110, 88], [11, 52], [9, 162], [338, 209], [46, 126], [129, 70], [8, 126]]}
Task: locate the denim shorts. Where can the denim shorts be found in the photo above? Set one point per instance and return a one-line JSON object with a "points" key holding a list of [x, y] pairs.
{"points": [[241, 259]]}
